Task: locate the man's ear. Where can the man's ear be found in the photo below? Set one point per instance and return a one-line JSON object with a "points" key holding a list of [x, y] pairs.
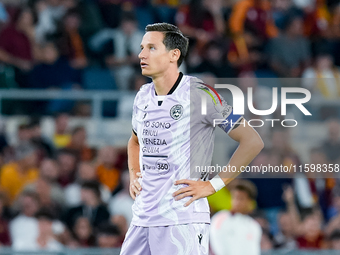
{"points": [[175, 54]]}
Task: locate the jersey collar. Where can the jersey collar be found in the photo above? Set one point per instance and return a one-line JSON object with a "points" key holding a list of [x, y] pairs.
{"points": [[175, 85]]}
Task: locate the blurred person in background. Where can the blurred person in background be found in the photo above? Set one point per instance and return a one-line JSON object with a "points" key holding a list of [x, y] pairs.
{"points": [[307, 230], [14, 176], [334, 240], [46, 75], [24, 133], [120, 205], [24, 228], [86, 172], [5, 239], [213, 61], [67, 160], [78, 143], [5, 148], [49, 13], [46, 239], [331, 146], [17, 45], [267, 242], [243, 52], [91, 206], [70, 43], [62, 135], [317, 19], [108, 236], [83, 233], [50, 193], [4, 17], [165, 10], [270, 189], [107, 173], [201, 20], [285, 238], [254, 15], [234, 232], [311, 236], [324, 77], [126, 39], [289, 54], [43, 144]]}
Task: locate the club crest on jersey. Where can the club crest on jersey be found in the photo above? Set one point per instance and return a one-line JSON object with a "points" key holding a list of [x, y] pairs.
{"points": [[176, 111]]}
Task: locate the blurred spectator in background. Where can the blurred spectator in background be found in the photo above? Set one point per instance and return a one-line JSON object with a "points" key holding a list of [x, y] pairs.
{"points": [[92, 206], [24, 228], [324, 77], [202, 21], [5, 149], [108, 236], [125, 104], [307, 230], [24, 133], [70, 43], [270, 189], [331, 146], [311, 233], [234, 232], [17, 45], [62, 136], [78, 143], [67, 160], [15, 175], [107, 174], [47, 73], [91, 19], [255, 15], [165, 10], [243, 53], [281, 9], [86, 173], [334, 240], [123, 56], [290, 53], [121, 204], [84, 233], [285, 238], [51, 195], [262, 96], [213, 62], [317, 19], [267, 242], [4, 18], [46, 239], [43, 145], [49, 13], [5, 239]]}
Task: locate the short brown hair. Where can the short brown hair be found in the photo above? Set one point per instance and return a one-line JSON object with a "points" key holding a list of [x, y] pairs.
{"points": [[173, 38], [245, 186]]}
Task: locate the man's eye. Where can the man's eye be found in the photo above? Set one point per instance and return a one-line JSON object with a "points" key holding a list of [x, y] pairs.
{"points": [[152, 48]]}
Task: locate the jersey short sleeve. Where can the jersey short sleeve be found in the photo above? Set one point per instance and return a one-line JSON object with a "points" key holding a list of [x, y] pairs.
{"points": [[218, 111]]}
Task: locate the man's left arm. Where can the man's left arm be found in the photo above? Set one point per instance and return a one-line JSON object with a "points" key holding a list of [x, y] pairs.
{"points": [[250, 145]]}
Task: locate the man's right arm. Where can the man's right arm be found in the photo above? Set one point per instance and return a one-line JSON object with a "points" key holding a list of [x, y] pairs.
{"points": [[133, 163]]}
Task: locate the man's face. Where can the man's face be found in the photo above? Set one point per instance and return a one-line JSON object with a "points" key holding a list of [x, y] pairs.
{"points": [[154, 57], [240, 201]]}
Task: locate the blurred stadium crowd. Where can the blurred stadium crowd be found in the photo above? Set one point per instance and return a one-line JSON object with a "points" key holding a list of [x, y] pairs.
{"points": [[59, 191]]}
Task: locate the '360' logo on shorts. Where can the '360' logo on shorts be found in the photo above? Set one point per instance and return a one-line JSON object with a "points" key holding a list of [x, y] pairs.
{"points": [[176, 111]]}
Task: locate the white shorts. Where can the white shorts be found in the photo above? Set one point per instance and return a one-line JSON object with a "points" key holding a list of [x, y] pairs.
{"points": [[184, 239]]}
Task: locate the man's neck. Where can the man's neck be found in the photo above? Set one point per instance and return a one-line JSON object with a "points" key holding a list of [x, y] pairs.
{"points": [[164, 83]]}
